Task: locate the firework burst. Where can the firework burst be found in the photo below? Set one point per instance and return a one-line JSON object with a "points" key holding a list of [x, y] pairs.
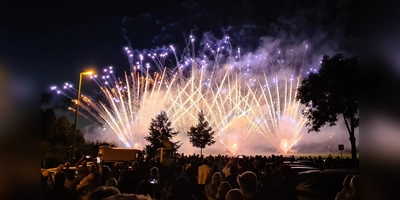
{"points": [[245, 98]]}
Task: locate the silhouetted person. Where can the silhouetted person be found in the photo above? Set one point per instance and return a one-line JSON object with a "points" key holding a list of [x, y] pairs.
{"points": [[241, 166], [177, 173], [147, 187], [234, 194], [227, 169], [354, 185], [83, 170], [57, 174], [59, 192], [69, 173], [155, 175], [211, 189], [223, 189], [130, 178], [112, 182], [287, 184], [191, 174], [215, 168], [89, 183], [231, 179], [162, 170], [181, 190], [346, 192], [115, 172], [202, 176], [128, 197], [103, 192], [248, 186]]}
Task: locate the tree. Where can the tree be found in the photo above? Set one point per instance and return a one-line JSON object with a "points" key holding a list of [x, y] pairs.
{"points": [[48, 118], [160, 126], [201, 135], [57, 138], [333, 92]]}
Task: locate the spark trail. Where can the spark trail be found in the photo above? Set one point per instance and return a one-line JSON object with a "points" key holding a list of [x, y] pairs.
{"points": [[245, 99]]}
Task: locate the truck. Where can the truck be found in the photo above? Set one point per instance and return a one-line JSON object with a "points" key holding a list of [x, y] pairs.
{"points": [[109, 154], [165, 154]]}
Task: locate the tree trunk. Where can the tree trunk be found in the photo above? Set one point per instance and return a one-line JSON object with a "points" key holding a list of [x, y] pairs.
{"points": [[201, 152], [353, 145], [352, 139]]}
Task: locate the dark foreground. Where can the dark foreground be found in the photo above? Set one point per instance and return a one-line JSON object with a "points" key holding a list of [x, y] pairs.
{"points": [[213, 177]]}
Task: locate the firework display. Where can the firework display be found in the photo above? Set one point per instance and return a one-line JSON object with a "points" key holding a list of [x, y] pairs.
{"points": [[247, 99]]}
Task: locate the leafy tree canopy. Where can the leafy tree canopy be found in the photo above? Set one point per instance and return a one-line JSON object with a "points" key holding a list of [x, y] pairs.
{"points": [[332, 92], [57, 138]]}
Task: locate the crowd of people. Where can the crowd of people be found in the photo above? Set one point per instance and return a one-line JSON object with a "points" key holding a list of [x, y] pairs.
{"points": [[189, 177]]}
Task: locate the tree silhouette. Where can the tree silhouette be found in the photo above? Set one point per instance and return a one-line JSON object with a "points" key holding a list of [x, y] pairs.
{"points": [[201, 135], [160, 126], [48, 118], [333, 92], [57, 138]]}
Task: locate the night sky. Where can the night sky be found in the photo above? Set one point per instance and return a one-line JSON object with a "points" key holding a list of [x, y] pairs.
{"points": [[87, 36], [82, 36]]}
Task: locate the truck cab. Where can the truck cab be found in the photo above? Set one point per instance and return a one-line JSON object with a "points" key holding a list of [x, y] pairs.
{"points": [[165, 154]]}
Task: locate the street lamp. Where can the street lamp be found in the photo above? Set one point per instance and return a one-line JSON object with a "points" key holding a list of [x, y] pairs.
{"points": [[77, 109]]}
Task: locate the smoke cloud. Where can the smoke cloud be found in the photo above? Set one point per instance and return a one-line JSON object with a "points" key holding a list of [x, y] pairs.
{"points": [[290, 46]]}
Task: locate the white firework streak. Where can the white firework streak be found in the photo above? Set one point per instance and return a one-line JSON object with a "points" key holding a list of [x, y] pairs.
{"points": [[237, 108]]}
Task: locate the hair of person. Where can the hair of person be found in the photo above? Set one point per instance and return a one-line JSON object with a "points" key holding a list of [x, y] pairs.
{"points": [[346, 181], [154, 171], [248, 182], [217, 176], [223, 189], [215, 167], [103, 192], [234, 194], [354, 184], [128, 197], [112, 182], [233, 169], [178, 169]]}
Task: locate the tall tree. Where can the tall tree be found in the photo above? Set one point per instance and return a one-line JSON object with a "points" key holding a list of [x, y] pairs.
{"points": [[57, 138], [47, 120], [160, 126], [201, 135], [333, 92]]}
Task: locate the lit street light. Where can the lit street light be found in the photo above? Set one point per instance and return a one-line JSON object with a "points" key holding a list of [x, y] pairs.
{"points": [[77, 110]]}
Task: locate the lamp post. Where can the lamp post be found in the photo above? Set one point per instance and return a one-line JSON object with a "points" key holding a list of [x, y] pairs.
{"points": [[77, 110]]}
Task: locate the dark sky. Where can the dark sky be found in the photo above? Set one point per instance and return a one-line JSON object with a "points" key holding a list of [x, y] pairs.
{"points": [[68, 38], [78, 36], [73, 37]]}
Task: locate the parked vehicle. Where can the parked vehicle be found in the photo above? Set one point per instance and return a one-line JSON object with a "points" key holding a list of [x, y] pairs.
{"points": [[109, 154], [321, 184], [301, 163], [297, 169]]}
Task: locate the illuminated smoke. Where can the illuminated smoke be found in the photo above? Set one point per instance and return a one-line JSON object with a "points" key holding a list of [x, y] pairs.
{"points": [[248, 99]]}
